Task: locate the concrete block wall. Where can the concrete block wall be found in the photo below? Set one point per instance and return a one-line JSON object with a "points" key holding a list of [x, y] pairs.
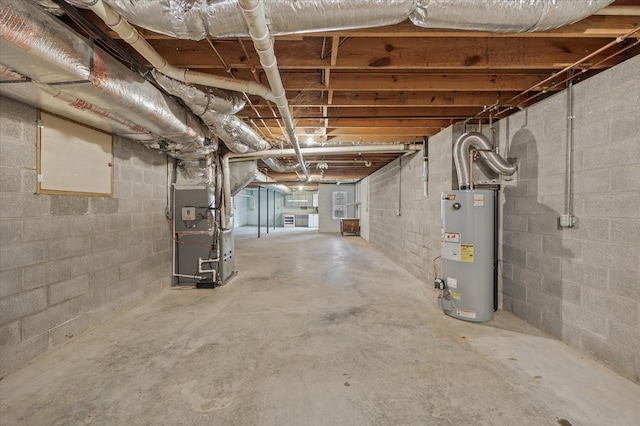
{"points": [[402, 222], [581, 285], [68, 263]]}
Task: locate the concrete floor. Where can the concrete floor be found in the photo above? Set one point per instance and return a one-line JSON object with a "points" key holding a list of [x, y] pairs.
{"points": [[315, 330]]}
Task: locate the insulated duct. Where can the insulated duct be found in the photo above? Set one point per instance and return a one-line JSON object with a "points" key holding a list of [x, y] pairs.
{"points": [[82, 81], [196, 19], [235, 133], [506, 16], [461, 150]]}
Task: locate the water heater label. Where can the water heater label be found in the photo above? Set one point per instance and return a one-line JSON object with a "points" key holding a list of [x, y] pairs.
{"points": [[452, 282], [466, 253], [450, 251], [452, 237], [478, 200], [466, 314]]}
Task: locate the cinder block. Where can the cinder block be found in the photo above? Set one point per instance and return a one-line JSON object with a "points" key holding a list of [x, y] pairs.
{"points": [[589, 229], [527, 277], [44, 228], [105, 241], [15, 357], [620, 204], [586, 134], [625, 336], [68, 289], [621, 153], [120, 222], [122, 189], [103, 205], [615, 356], [625, 231], [86, 225], [611, 255], [10, 231], [69, 206], [45, 320], [18, 205], [552, 323], [131, 174], [10, 334], [543, 224], [514, 290], [28, 179], [562, 247], [544, 302], [10, 179], [130, 205], [515, 256], [141, 191], [584, 319], [13, 153], [585, 273], [70, 329], [10, 282], [592, 181], [18, 255], [528, 242], [571, 292], [68, 247], [46, 273], [21, 304], [543, 262], [626, 126], [625, 283]]}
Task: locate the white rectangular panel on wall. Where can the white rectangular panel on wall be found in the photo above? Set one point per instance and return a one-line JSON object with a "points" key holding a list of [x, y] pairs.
{"points": [[73, 159]]}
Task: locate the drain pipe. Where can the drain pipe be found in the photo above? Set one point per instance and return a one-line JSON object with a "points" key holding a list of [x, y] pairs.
{"points": [[253, 11], [567, 220]]}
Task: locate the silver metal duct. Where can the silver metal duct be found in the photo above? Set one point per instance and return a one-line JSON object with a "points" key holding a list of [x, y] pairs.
{"points": [[461, 151], [503, 15], [195, 19], [64, 66], [235, 133], [242, 174], [199, 101]]}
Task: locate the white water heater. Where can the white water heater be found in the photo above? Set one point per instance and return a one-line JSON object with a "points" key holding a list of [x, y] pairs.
{"points": [[469, 258]]}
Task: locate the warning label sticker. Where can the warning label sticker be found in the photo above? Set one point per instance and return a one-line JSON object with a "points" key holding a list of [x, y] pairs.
{"points": [[452, 282], [466, 253], [455, 295], [478, 200], [466, 314]]}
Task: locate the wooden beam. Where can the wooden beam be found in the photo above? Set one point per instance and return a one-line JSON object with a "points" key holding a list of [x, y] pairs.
{"points": [[457, 53], [378, 82]]}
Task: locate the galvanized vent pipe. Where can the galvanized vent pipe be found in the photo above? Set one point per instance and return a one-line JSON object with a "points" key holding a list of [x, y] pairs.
{"points": [[461, 159]]}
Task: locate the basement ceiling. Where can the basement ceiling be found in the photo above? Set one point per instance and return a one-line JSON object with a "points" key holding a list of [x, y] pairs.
{"points": [[399, 83]]}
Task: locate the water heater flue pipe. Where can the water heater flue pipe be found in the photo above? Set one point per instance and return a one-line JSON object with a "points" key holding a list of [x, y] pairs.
{"points": [[461, 158]]}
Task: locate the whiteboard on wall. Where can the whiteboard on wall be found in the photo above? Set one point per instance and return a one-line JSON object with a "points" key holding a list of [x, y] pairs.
{"points": [[73, 159]]}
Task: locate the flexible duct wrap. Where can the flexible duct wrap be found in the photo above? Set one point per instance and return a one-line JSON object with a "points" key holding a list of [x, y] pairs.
{"points": [[503, 15], [196, 19], [237, 135], [38, 46]]}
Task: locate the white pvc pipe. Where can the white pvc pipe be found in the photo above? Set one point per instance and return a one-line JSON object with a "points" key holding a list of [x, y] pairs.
{"points": [[253, 11], [130, 35]]}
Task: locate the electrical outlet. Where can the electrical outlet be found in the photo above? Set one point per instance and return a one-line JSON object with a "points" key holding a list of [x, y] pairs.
{"points": [[567, 221]]}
